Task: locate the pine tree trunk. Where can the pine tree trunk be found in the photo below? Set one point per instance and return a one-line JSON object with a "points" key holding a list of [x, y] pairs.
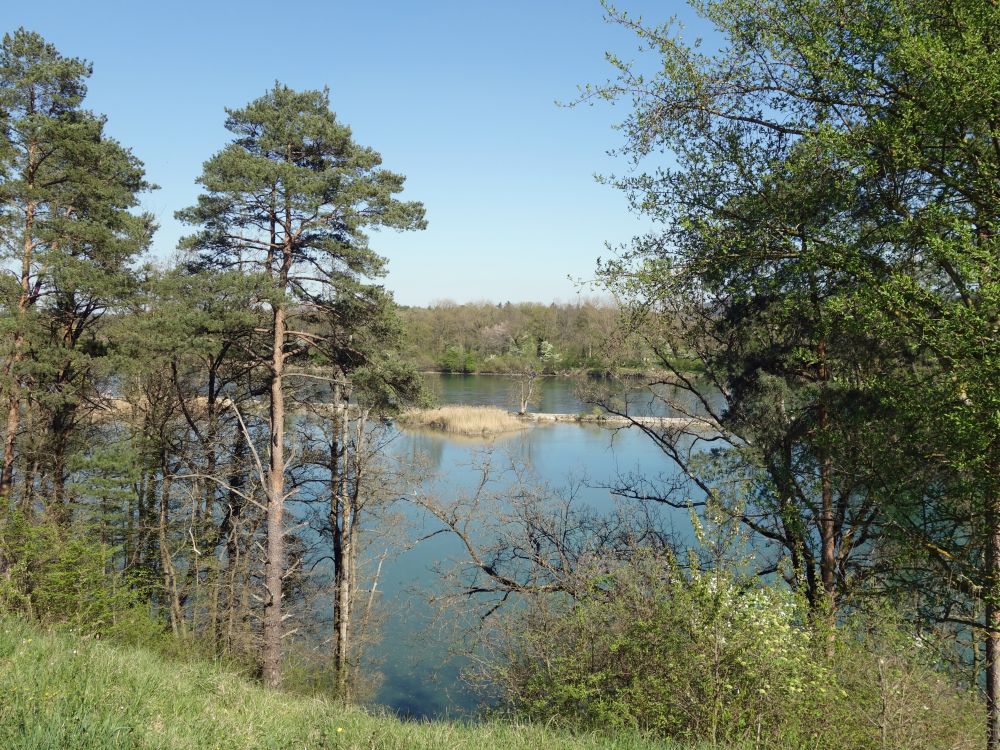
{"points": [[10, 437], [274, 563], [17, 355]]}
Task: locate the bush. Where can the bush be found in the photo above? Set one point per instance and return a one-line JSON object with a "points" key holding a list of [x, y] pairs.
{"points": [[700, 658], [457, 360], [891, 694], [57, 576]]}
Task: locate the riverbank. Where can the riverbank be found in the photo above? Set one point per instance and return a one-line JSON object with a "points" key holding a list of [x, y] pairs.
{"points": [[698, 425], [584, 373]]}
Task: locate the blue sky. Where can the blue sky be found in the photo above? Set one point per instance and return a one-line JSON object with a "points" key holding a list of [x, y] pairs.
{"points": [[458, 96]]}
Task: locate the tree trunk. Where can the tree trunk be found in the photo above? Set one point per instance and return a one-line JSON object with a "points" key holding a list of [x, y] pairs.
{"points": [[60, 427], [343, 586], [827, 523], [10, 437], [274, 562], [991, 642], [207, 529], [340, 522], [229, 530], [166, 562], [17, 355]]}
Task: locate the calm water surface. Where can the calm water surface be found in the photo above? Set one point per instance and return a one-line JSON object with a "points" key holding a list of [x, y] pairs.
{"points": [[420, 677]]}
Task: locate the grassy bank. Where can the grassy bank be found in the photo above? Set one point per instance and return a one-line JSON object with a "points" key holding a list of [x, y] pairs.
{"points": [[476, 421], [61, 692]]}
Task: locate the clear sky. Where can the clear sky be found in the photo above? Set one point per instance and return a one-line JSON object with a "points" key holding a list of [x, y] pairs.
{"points": [[458, 96]]}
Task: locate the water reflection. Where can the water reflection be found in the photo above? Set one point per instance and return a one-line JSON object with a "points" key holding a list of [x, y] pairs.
{"points": [[420, 676]]}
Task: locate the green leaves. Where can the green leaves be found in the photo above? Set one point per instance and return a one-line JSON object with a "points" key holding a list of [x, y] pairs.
{"points": [[289, 202], [827, 183]]}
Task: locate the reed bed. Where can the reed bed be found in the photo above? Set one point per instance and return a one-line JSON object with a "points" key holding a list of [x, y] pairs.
{"points": [[475, 421]]}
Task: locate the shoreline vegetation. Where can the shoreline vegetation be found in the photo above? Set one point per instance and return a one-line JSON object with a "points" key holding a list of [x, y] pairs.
{"points": [[471, 421], [580, 338], [590, 373], [485, 421]]}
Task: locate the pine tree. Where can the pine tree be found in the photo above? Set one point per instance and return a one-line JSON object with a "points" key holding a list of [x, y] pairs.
{"points": [[289, 200], [68, 221]]}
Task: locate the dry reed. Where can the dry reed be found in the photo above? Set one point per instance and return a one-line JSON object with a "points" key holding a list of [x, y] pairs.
{"points": [[465, 420]]}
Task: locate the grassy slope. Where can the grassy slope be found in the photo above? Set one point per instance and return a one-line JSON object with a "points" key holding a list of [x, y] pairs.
{"points": [[57, 691]]}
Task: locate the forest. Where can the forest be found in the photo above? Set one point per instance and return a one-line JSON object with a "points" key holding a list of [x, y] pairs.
{"points": [[199, 455], [501, 338]]}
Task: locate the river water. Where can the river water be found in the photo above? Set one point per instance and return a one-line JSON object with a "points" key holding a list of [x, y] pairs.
{"points": [[419, 674]]}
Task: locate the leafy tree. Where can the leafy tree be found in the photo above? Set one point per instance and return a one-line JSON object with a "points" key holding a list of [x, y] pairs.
{"points": [[532, 357], [750, 280], [836, 183]]}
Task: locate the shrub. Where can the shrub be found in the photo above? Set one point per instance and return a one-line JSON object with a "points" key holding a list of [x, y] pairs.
{"points": [[699, 657], [58, 576], [457, 360]]}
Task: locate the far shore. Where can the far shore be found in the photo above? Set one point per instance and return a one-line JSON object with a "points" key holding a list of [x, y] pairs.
{"points": [[658, 375]]}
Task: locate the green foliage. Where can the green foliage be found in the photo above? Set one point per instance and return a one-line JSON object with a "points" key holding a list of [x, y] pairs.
{"points": [[825, 185], [699, 657], [457, 360], [60, 577], [70, 226], [680, 657], [292, 163], [488, 338]]}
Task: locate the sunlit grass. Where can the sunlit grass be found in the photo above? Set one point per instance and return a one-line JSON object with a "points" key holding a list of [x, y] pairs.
{"points": [[465, 420], [60, 692]]}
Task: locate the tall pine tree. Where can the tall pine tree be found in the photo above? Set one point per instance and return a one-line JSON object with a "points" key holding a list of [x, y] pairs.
{"points": [[67, 221], [290, 199]]}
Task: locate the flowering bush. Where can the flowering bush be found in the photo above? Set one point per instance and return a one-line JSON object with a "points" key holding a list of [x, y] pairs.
{"points": [[700, 656]]}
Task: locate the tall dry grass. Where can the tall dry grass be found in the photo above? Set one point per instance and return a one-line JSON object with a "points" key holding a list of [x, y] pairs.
{"points": [[465, 420]]}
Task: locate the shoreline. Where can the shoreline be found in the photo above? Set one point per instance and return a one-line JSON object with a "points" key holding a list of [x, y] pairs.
{"points": [[577, 374], [614, 419]]}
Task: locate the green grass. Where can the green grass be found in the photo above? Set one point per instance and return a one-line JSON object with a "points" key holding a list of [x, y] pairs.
{"points": [[61, 692]]}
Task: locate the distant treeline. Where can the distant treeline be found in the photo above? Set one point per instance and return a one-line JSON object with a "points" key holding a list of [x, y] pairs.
{"points": [[498, 337]]}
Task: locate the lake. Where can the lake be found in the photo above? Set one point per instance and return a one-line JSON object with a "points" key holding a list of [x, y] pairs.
{"points": [[419, 676]]}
